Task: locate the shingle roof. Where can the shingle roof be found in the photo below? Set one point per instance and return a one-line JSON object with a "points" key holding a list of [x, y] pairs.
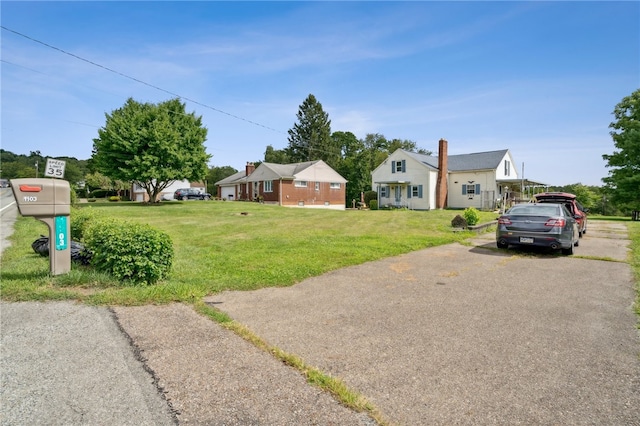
{"points": [[289, 170], [230, 179], [463, 162]]}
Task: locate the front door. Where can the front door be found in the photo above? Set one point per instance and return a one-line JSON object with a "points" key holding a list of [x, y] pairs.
{"points": [[398, 193]]}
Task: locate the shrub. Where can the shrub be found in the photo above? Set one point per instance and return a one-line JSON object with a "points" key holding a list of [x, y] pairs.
{"points": [[459, 222], [471, 215], [114, 198], [369, 196], [373, 204], [129, 251], [80, 219]]}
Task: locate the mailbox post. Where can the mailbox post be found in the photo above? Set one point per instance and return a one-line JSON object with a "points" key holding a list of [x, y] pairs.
{"points": [[48, 200]]}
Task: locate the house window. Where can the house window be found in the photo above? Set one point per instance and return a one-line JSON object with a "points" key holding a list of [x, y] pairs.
{"points": [[317, 186], [416, 191], [384, 192], [399, 166], [471, 190], [335, 185], [507, 168], [301, 183], [268, 186]]}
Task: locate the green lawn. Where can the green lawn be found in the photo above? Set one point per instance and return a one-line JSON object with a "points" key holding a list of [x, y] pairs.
{"points": [[230, 246]]}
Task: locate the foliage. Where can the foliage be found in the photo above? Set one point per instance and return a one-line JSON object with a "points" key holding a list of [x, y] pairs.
{"points": [[310, 138], [216, 174], [16, 166], [277, 156], [459, 222], [623, 182], [373, 204], [472, 216], [369, 196], [129, 251], [80, 219], [151, 145]]}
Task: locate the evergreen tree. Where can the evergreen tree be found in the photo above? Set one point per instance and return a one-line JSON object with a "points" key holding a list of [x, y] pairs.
{"points": [[310, 138]]}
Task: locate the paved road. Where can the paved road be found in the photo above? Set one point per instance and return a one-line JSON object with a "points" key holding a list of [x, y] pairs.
{"points": [[448, 335]]}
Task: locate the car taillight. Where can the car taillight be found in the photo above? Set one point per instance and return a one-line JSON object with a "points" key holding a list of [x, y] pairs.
{"points": [[504, 221], [555, 222]]}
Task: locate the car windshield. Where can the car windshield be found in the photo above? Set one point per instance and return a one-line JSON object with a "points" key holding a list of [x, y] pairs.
{"points": [[536, 210]]}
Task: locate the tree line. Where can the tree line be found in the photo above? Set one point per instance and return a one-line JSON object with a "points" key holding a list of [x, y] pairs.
{"points": [[154, 145]]}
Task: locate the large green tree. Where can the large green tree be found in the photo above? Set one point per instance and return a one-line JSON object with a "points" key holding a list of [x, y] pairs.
{"points": [[152, 145], [216, 174], [310, 138], [623, 182], [277, 156]]}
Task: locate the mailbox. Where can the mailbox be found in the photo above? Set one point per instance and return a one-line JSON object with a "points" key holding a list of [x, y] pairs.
{"points": [[48, 200]]}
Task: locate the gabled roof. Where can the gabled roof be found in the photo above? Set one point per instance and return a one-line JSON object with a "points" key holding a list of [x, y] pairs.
{"points": [[316, 170], [289, 170], [463, 162], [231, 179]]}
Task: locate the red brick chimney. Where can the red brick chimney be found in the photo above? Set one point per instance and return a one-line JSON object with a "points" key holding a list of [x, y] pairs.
{"points": [[249, 168], [441, 185]]}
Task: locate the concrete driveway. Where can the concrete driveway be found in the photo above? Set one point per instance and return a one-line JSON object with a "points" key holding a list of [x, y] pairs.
{"points": [[459, 334]]}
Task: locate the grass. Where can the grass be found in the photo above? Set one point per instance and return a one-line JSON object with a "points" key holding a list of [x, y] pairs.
{"points": [[229, 246]]}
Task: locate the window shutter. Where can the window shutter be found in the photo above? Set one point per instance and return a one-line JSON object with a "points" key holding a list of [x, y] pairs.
{"points": [[419, 191], [464, 189], [404, 166], [393, 167], [477, 189], [408, 190]]}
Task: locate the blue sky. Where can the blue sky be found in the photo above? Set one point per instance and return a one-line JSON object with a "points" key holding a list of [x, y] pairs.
{"points": [[538, 78]]}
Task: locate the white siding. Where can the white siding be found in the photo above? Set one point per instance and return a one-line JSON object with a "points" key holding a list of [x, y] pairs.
{"points": [[456, 199], [415, 174], [512, 169]]}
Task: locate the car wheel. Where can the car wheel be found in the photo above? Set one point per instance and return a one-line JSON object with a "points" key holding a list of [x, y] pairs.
{"points": [[185, 198], [568, 251], [206, 198], [502, 244]]}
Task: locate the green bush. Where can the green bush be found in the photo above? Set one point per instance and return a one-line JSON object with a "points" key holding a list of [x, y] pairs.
{"points": [[373, 204], [80, 219], [370, 195], [471, 215], [114, 198], [129, 251]]}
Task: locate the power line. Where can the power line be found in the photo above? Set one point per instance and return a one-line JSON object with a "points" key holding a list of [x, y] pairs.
{"points": [[137, 80]]}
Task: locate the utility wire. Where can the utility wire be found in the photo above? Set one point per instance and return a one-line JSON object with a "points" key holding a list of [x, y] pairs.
{"points": [[137, 80]]}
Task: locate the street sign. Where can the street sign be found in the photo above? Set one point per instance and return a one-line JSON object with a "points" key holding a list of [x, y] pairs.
{"points": [[55, 168]]}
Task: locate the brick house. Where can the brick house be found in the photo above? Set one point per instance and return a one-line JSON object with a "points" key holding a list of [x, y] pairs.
{"points": [[309, 184]]}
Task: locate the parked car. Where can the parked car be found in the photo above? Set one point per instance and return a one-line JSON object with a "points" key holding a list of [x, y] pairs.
{"points": [[572, 204], [191, 194], [543, 225]]}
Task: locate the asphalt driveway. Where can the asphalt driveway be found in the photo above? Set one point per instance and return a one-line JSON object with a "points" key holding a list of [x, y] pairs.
{"points": [[469, 335], [459, 334]]}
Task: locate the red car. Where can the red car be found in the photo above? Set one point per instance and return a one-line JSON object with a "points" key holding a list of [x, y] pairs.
{"points": [[572, 204]]}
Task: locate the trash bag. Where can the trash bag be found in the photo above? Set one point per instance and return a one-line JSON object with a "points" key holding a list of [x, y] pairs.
{"points": [[41, 246], [78, 252]]}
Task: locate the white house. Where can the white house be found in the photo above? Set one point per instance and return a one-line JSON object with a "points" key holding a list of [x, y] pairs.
{"points": [[139, 194], [423, 182]]}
